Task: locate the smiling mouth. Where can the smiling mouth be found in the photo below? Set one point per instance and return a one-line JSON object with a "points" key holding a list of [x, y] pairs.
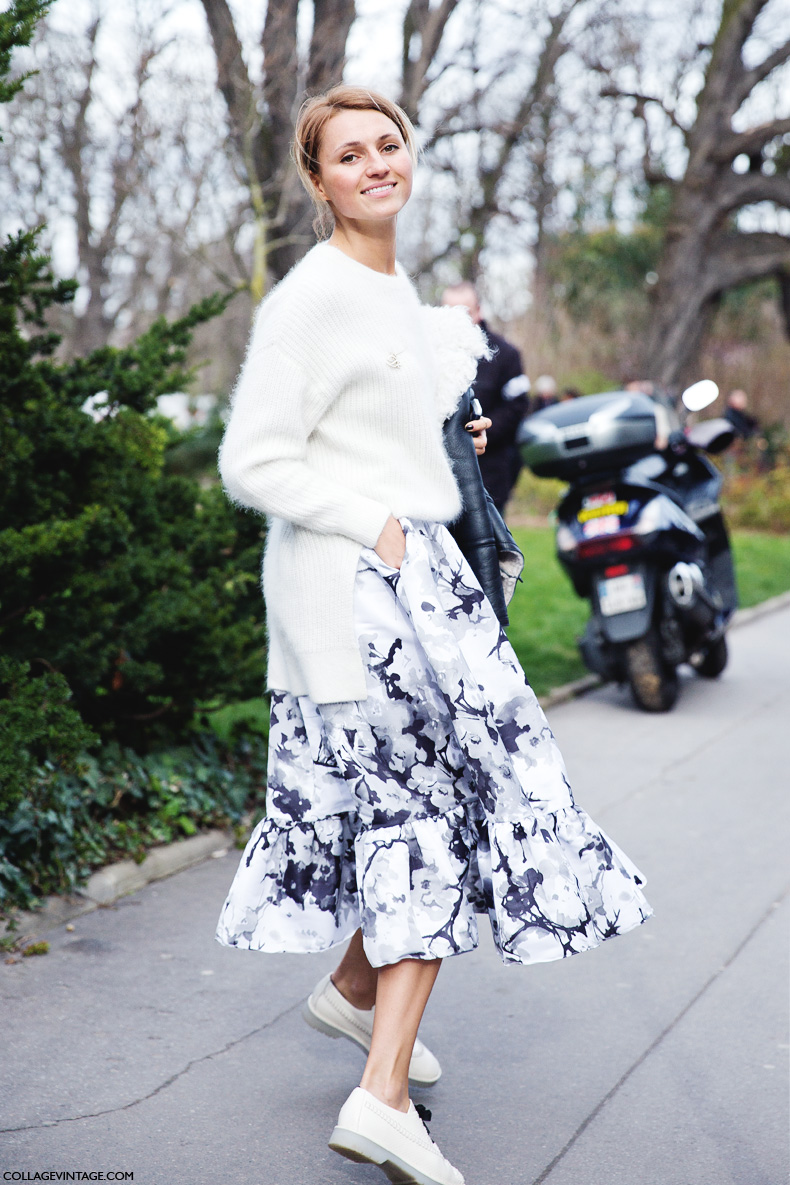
{"points": [[376, 190]]}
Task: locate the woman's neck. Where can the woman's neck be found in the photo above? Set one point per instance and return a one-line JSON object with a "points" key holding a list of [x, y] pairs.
{"points": [[373, 248]]}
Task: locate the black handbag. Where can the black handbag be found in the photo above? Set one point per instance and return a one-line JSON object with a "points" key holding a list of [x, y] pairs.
{"points": [[480, 531]]}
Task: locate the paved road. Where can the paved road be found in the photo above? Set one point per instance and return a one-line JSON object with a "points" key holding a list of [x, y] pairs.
{"points": [[661, 1059]]}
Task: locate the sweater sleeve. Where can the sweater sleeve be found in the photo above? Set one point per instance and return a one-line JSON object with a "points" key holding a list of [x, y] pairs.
{"points": [[262, 457], [457, 344]]}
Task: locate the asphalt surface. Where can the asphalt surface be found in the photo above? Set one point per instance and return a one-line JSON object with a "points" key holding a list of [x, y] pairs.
{"points": [[140, 1045]]}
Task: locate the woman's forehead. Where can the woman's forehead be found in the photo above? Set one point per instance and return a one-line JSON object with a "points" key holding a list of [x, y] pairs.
{"points": [[346, 129]]}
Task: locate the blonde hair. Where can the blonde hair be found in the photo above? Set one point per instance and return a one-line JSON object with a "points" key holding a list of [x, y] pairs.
{"points": [[313, 117]]}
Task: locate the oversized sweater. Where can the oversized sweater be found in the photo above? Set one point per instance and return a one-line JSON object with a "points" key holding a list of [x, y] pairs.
{"points": [[336, 423]]}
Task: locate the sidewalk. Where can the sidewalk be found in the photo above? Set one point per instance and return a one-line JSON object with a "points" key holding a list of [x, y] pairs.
{"points": [[138, 1044]]}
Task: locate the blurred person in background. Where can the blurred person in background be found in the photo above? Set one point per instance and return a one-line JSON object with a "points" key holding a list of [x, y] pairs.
{"points": [[545, 393], [744, 424], [502, 388], [569, 393], [644, 385]]}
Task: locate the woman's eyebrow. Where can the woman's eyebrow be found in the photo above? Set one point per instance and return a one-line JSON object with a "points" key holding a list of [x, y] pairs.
{"points": [[359, 144]]}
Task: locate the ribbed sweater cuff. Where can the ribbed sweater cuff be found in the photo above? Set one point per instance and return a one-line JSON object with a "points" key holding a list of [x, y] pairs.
{"points": [[369, 520], [328, 676]]}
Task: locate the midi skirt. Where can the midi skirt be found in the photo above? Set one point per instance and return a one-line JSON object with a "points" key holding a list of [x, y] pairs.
{"points": [[441, 795]]}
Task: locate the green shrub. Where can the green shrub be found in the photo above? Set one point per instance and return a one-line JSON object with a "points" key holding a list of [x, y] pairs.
{"points": [[135, 584], [77, 815], [37, 724], [129, 600], [759, 501]]}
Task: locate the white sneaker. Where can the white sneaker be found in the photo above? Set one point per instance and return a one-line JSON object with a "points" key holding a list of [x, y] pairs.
{"points": [[370, 1132], [330, 1012]]}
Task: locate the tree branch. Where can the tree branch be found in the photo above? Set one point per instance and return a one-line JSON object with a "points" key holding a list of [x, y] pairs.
{"points": [[332, 21], [280, 87], [74, 140], [745, 189], [553, 49], [232, 76], [738, 258], [428, 24], [615, 92], [750, 142], [750, 78], [720, 96]]}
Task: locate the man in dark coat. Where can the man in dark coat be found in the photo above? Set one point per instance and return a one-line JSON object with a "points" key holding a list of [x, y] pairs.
{"points": [[743, 423], [502, 388]]}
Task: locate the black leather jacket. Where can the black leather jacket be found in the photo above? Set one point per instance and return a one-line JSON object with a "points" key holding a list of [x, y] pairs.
{"points": [[480, 531]]}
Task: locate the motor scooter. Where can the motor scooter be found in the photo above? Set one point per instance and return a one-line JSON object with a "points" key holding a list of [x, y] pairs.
{"points": [[641, 534]]}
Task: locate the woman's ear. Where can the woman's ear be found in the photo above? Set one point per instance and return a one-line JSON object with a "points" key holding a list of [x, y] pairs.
{"points": [[319, 188]]}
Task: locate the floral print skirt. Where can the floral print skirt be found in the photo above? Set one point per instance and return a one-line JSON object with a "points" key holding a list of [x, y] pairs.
{"points": [[441, 795]]}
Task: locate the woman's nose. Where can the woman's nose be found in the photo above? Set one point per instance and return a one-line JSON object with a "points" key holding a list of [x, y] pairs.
{"points": [[377, 164]]}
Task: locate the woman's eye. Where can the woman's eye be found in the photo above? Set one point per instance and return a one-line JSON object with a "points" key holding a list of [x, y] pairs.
{"points": [[391, 147], [348, 157]]}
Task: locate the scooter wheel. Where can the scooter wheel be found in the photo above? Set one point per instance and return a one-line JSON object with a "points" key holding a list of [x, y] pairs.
{"points": [[653, 682], [713, 661]]}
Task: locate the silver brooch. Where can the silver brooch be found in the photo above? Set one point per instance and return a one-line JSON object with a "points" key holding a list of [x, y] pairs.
{"points": [[394, 361]]}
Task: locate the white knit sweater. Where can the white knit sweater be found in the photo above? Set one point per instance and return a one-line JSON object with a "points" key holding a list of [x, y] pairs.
{"points": [[336, 423]]}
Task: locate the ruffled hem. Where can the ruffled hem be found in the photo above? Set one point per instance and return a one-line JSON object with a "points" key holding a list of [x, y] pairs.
{"points": [[560, 886], [554, 888], [294, 889]]}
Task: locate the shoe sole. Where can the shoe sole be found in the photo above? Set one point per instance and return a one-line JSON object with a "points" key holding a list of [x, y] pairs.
{"points": [[330, 1030], [363, 1151]]}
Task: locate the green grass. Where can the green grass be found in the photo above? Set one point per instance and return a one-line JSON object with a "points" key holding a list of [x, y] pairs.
{"points": [[762, 565], [254, 713], [546, 616]]}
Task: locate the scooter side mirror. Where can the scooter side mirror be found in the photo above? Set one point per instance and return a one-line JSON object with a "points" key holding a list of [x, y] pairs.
{"points": [[713, 436], [700, 395]]}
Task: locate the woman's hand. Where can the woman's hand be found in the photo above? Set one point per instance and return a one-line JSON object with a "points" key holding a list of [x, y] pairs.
{"points": [[477, 428], [391, 544]]}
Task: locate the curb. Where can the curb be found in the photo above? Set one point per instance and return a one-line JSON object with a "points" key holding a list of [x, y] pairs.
{"points": [[569, 691], [109, 884], [772, 605]]}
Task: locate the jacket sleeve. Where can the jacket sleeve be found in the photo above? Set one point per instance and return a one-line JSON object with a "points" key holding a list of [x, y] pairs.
{"points": [[479, 531], [262, 459], [510, 401], [457, 344]]}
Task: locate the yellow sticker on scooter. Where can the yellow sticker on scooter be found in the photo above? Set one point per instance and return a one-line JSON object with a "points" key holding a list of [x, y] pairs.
{"points": [[619, 508]]}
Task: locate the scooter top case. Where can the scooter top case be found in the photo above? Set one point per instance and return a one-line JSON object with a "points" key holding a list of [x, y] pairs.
{"points": [[593, 434]]}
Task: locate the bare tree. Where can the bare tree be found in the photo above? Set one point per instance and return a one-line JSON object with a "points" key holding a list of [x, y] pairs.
{"points": [[705, 252], [261, 116], [526, 132], [136, 180]]}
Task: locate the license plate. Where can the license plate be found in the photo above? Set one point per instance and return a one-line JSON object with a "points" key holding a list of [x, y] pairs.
{"points": [[609, 525], [595, 507], [622, 594]]}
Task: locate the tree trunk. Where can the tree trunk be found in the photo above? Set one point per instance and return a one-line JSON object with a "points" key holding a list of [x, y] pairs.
{"points": [[262, 123], [704, 254]]}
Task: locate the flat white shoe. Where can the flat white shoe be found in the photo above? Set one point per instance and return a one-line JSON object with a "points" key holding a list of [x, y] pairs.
{"points": [[328, 1011], [370, 1132]]}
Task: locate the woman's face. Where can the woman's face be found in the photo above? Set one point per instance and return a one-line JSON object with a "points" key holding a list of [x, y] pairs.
{"points": [[365, 171]]}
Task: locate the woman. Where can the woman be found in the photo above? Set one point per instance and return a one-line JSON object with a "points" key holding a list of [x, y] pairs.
{"points": [[412, 777]]}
